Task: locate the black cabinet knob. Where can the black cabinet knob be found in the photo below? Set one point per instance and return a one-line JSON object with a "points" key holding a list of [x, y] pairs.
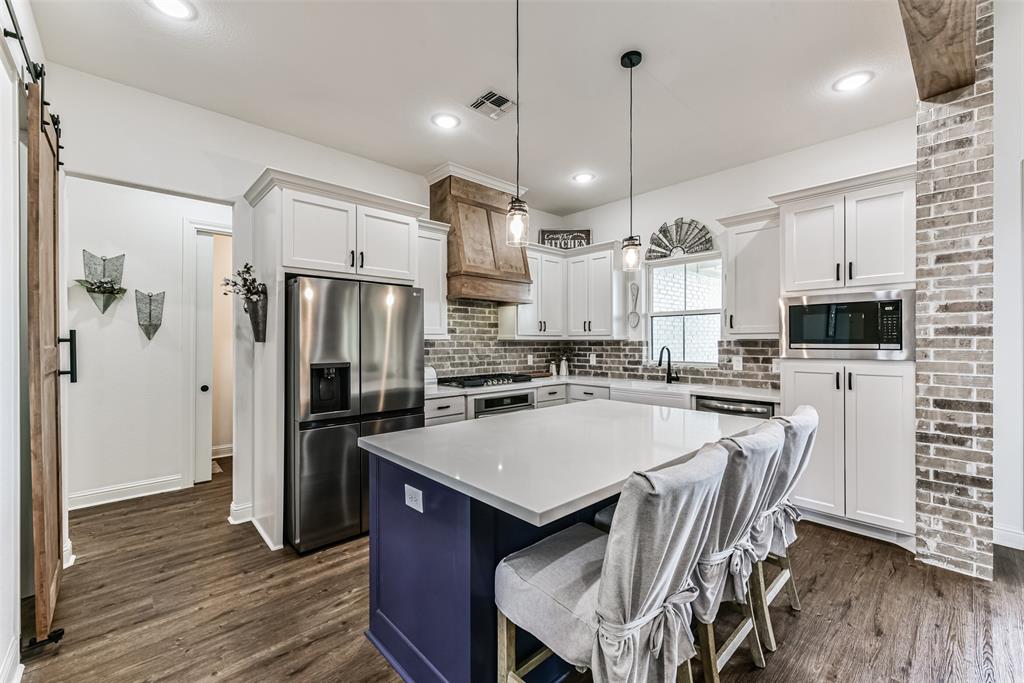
{"points": [[205, 387]]}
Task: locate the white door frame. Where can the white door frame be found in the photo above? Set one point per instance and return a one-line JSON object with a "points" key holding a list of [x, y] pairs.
{"points": [[191, 230]]}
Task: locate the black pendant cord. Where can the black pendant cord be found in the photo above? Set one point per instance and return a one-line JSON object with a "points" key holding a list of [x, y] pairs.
{"points": [[517, 99], [631, 152]]}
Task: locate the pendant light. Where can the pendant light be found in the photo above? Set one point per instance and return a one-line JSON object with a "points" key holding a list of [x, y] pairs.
{"points": [[517, 221], [631, 244]]}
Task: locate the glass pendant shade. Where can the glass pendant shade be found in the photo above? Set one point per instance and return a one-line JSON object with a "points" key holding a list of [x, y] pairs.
{"points": [[631, 254], [517, 223]]}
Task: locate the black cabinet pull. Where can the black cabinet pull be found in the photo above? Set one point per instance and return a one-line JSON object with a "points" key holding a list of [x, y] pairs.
{"points": [[540, 326], [352, 259], [837, 272], [544, 327], [837, 380], [850, 276], [362, 259], [849, 381], [552, 393], [730, 321], [588, 393], [444, 407], [72, 341]]}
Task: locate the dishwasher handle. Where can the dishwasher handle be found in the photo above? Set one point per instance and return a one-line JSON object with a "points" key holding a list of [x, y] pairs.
{"points": [[736, 408]]}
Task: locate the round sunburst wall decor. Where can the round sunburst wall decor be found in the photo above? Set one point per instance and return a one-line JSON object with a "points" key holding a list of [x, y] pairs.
{"points": [[683, 235]]}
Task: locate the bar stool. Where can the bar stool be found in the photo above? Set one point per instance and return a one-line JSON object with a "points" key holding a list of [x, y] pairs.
{"points": [[617, 603]]}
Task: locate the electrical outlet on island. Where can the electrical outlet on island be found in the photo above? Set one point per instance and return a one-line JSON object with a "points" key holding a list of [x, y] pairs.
{"points": [[414, 498]]}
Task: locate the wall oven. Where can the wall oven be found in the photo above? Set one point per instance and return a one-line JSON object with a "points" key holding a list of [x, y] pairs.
{"points": [[863, 326]]}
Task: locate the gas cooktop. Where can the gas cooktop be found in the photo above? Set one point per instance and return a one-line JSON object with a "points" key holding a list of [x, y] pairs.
{"points": [[495, 379]]}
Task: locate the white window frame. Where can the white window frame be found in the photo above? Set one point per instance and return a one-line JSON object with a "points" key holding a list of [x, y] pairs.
{"points": [[649, 268]]}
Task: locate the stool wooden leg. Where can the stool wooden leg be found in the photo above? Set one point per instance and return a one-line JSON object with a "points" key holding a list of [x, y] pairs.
{"points": [[794, 598], [760, 605], [506, 648], [708, 655], [752, 640], [684, 674]]}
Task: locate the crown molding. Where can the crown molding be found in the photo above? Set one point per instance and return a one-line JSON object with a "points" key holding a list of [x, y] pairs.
{"points": [[450, 168], [272, 177], [748, 217], [436, 227], [908, 172]]}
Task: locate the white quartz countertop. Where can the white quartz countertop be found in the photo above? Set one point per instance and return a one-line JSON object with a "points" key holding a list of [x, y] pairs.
{"points": [[639, 386], [540, 465]]}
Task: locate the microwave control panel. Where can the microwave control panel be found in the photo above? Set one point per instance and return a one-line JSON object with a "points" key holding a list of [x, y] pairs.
{"points": [[890, 322]]}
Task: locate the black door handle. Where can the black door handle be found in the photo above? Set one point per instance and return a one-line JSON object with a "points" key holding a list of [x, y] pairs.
{"points": [[837, 380], [204, 388], [850, 276], [72, 341], [362, 259], [849, 381], [352, 259], [837, 272]]}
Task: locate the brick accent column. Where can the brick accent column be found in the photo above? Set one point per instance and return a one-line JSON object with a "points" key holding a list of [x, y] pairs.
{"points": [[954, 321]]}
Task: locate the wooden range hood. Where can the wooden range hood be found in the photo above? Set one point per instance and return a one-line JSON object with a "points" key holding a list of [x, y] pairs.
{"points": [[480, 265]]}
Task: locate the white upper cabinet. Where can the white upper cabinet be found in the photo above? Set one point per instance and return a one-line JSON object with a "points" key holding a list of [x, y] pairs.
{"points": [[552, 295], [544, 315], [318, 232], [880, 234], [853, 233], [386, 243], [432, 277], [578, 296], [600, 270], [752, 274], [528, 315]]}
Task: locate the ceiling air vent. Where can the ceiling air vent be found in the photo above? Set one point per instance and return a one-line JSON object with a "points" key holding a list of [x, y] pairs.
{"points": [[492, 104]]}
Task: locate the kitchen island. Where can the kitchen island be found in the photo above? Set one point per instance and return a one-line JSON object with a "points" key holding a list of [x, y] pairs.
{"points": [[447, 503]]}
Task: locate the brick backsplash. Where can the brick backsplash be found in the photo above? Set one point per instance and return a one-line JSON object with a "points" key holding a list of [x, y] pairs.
{"points": [[954, 320], [473, 347]]}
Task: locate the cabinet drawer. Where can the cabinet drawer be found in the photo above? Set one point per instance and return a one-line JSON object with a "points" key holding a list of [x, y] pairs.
{"points": [[441, 407], [583, 393], [553, 393], [551, 403], [444, 420]]}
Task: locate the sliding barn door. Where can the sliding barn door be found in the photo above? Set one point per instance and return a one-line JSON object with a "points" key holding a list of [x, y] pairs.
{"points": [[43, 359]]}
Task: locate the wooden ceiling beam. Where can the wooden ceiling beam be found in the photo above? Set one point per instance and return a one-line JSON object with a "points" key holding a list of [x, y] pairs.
{"points": [[941, 38]]}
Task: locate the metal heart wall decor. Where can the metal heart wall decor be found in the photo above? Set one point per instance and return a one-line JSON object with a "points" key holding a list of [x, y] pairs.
{"points": [[685, 235], [149, 308], [102, 279]]}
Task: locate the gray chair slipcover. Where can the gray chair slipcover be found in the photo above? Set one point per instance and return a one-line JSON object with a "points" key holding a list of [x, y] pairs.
{"points": [[619, 603], [728, 558], [775, 528]]}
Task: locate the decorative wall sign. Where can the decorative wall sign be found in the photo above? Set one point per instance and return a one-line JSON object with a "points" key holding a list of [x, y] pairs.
{"points": [[684, 235], [102, 279], [149, 308], [565, 239]]}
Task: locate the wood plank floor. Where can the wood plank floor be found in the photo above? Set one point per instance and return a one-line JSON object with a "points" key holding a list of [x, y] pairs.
{"points": [[165, 590]]}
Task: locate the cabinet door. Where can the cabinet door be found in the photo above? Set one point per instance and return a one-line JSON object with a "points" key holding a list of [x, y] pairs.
{"points": [[579, 286], [552, 295], [819, 385], [880, 444], [317, 232], [599, 278], [812, 244], [752, 280], [528, 315], [386, 243], [880, 235], [432, 277]]}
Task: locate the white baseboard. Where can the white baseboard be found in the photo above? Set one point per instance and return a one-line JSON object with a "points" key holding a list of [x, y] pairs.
{"points": [[239, 514], [68, 554], [266, 537], [1007, 537], [905, 541], [222, 451], [10, 668], [116, 492]]}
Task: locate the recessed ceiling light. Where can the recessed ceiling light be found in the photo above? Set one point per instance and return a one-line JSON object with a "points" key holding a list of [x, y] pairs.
{"points": [[853, 81], [583, 178], [176, 9], [446, 121]]}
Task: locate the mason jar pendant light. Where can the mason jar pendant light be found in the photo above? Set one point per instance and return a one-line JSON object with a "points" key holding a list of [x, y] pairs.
{"points": [[517, 221], [631, 244]]}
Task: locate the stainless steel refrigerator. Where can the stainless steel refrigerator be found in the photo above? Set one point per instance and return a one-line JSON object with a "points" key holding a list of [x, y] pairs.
{"points": [[355, 367]]}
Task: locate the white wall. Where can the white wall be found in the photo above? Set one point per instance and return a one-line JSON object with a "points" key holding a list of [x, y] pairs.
{"points": [[1008, 404], [127, 421], [748, 187], [223, 347]]}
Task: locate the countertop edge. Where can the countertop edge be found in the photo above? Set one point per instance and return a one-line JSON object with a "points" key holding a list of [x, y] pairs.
{"points": [[715, 391]]}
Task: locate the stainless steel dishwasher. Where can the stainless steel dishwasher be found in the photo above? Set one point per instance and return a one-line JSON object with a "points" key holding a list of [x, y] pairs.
{"points": [[728, 406]]}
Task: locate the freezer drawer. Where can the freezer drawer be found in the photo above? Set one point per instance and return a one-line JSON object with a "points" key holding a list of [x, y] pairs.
{"points": [[324, 488]]}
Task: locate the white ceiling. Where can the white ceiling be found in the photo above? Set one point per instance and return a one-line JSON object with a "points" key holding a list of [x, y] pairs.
{"points": [[722, 83]]}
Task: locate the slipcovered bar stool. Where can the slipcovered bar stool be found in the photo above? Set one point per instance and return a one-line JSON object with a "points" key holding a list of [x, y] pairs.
{"points": [[617, 603], [775, 529], [725, 566]]}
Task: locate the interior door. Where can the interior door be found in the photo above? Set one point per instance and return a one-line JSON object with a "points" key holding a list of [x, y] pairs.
{"points": [[821, 386], [812, 237], [552, 299], [204, 358], [579, 286], [880, 234], [386, 244], [599, 279], [43, 359], [528, 317]]}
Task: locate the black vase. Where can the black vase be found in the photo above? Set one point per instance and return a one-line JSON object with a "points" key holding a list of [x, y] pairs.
{"points": [[257, 311]]}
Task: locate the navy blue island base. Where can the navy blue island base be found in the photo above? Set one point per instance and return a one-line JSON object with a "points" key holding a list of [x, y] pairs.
{"points": [[432, 612]]}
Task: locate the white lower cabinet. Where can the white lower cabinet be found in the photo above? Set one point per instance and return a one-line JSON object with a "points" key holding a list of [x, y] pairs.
{"points": [[550, 404], [673, 399], [579, 392], [862, 465]]}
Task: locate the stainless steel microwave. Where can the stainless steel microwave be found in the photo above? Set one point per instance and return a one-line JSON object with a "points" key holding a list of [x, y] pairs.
{"points": [[863, 326]]}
